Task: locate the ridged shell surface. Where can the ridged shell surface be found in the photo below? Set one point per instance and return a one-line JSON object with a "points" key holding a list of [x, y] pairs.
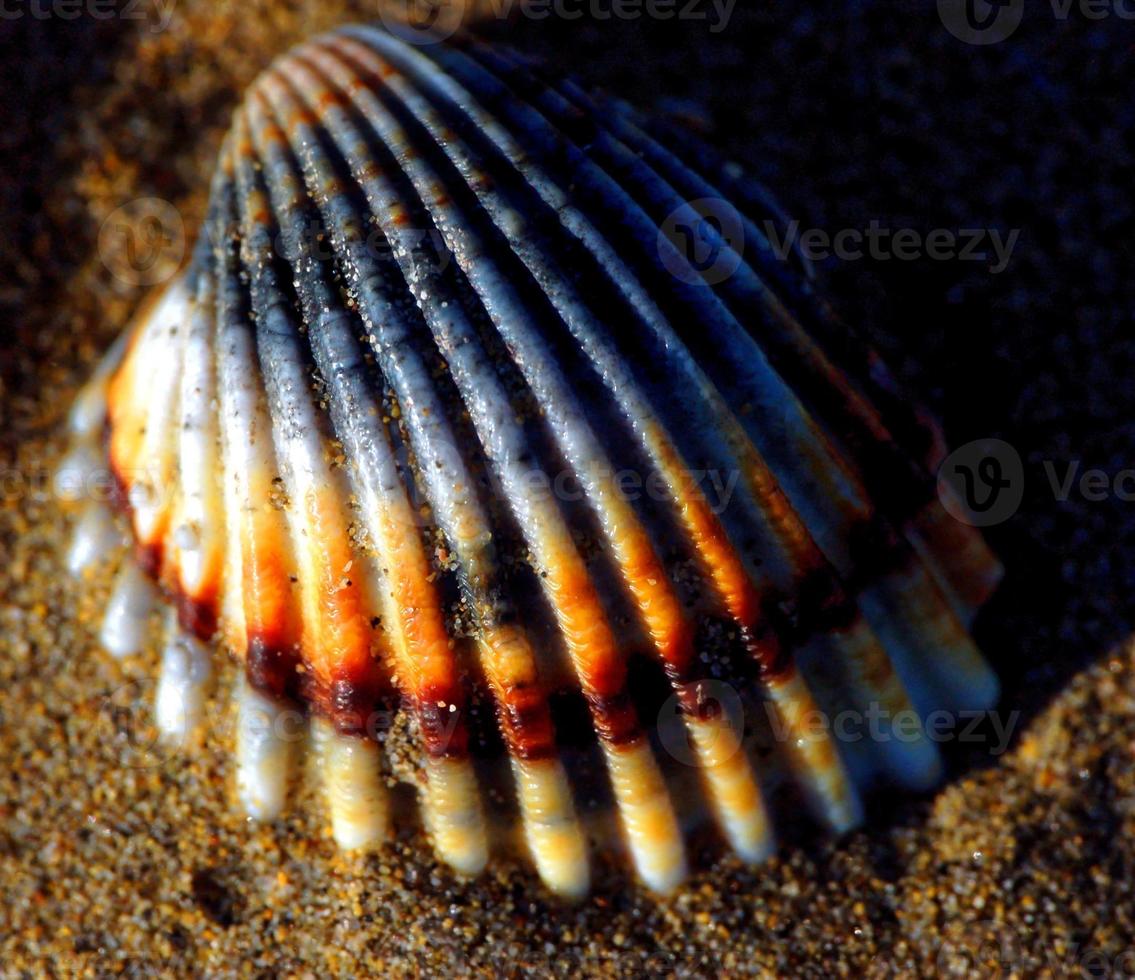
{"points": [[487, 425]]}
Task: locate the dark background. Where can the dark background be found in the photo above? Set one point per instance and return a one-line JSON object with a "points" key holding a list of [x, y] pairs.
{"points": [[863, 112]]}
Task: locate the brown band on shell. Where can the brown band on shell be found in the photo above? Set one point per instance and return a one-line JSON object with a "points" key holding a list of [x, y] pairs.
{"points": [[271, 668], [616, 721], [691, 698], [526, 724], [443, 732], [197, 616], [149, 557], [352, 706], [764, 645]]}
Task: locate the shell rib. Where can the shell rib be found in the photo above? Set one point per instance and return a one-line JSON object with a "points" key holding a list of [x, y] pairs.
{"points": [[379, 434]]}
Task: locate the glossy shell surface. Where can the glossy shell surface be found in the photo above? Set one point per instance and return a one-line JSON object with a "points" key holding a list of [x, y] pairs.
{"points": [[490, 409]]}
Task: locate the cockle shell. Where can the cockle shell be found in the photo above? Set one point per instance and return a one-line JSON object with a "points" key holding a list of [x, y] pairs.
{"points": [[443, 417]]}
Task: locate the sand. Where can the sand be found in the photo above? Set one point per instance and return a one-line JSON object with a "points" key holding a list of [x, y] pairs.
{"points": [[120, 858]]}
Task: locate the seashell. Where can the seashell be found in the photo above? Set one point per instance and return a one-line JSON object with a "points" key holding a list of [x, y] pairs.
{"points": [[443, 423]]}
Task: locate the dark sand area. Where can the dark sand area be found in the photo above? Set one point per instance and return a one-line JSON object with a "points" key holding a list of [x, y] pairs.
{"points": [[115, 860]]}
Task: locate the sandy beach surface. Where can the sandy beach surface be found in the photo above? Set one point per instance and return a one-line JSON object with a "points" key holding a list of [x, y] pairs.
{"points": [[120, 858]]}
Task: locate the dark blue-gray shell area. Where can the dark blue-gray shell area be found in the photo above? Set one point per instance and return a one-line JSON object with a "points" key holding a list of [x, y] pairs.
{"points": [[494, 401]]}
